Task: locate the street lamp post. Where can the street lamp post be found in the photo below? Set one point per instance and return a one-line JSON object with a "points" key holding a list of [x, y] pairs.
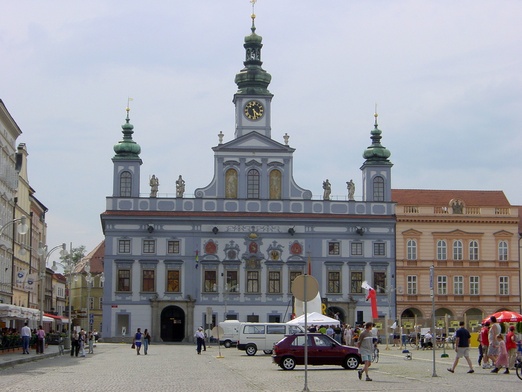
{"points": [[68, 267], [22, 228], [45, 258], [89, 278]]}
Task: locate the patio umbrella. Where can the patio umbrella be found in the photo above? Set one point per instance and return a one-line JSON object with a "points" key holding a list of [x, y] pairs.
{"points": [[505, 316]]}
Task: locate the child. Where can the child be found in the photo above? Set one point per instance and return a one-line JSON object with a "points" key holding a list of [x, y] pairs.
{"points": [[503, 358]]}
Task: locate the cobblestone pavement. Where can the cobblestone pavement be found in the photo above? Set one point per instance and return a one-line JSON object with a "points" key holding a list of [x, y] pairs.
{"points": [[116, 367]]}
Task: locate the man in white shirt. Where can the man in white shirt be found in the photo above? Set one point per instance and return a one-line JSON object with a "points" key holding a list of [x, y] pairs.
{"points": [[26, 338]]}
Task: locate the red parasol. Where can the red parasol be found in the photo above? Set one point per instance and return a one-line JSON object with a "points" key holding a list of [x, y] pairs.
{"points": [[505, 316]]}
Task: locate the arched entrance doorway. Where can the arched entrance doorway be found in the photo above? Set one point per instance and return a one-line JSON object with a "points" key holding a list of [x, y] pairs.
{"points": [[333, 310], [172, 324]]}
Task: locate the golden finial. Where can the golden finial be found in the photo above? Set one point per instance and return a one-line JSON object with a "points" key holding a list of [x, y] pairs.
{"points": [[128, 104], [253, 2]]}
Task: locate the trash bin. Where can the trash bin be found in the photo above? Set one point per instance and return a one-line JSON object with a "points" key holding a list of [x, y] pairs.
{"points": [[66, 343]]}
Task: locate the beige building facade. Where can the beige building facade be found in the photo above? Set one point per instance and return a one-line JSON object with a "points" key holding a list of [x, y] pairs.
{"points": [[470, 241]]}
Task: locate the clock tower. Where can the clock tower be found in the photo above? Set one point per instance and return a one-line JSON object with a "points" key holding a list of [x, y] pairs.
{"points": [[253, 99]]}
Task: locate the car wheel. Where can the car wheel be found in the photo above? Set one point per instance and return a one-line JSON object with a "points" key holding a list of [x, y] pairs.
{"points": [[267, 351], [251, 349], [287, 363], [227, 344], [351, 362]]}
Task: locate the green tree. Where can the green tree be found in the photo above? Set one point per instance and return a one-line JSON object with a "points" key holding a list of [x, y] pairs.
{"points": [[75, 255]]}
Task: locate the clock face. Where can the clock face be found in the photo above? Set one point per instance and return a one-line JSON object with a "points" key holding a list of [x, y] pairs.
{"points": [[254, 110]]}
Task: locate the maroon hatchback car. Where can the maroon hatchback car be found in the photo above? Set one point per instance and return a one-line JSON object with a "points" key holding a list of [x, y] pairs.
{"points": [[322, 350]]}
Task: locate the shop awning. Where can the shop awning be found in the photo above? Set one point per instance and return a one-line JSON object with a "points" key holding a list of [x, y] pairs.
{"points": [[59, 319]]}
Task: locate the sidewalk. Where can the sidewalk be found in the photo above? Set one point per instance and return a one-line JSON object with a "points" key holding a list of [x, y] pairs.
{"points": [[15, 358]]}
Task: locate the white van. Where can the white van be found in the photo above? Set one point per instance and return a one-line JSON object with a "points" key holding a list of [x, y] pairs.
{"points": [[263, 336], [230, 333]]}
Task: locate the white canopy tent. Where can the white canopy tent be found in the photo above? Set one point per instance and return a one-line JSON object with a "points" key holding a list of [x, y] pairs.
{"points": [[314, 318]]}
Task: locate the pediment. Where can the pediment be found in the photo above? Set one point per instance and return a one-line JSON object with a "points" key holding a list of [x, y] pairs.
{"points": [[412, 233], [253, 141]]}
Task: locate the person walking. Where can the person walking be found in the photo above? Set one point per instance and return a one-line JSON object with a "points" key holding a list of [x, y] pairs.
{"points": [[462, 337], [365, 344], [502, 359], [511, 347], [494, 348], [137, 341], [26, 338], [146, 340], [75, 344], [40, 340], [200, 337], [81, 342], [484, 343], [91, 342]]}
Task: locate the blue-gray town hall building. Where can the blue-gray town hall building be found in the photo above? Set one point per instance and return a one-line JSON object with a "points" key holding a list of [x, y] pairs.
{"points": [[231, 251]]}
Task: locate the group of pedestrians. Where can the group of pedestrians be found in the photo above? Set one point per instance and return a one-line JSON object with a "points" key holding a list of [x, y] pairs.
{"points": [[141, 338], [495, 350]]}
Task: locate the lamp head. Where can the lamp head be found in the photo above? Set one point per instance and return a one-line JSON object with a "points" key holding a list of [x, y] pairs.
{"points": [[22, 226]]}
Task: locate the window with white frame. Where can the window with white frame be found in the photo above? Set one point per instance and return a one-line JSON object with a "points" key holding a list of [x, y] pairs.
{"points": [[457, 250], [124, 246], [442, 285], [474, 287], [442, 250], [503, 288], [473, 250], [379, 249], [378, 188], [125, 184], [149, 246], [502, 251], [253, 184], [411, 284], [252, 285], [210, 282], [458, 285], [334, 282], [356, 279], [173, 247], [334, 248], [411, 250], [274, 282], [356, 249]]}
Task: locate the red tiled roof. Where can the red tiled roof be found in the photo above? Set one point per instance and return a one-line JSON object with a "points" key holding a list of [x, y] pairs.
{"points": [[94, 258], [420, 197]]}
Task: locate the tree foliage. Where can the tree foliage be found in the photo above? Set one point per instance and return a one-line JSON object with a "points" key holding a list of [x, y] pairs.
{"points": [[75, 255]]}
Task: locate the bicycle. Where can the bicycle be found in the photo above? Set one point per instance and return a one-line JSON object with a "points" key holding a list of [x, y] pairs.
{"points": [[518, 361]]}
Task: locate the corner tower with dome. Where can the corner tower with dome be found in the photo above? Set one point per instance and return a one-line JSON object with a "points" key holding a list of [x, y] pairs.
{"points": [[232, 250]]}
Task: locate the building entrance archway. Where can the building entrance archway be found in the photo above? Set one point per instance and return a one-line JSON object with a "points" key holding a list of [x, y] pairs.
{"points": [[172, 324]]}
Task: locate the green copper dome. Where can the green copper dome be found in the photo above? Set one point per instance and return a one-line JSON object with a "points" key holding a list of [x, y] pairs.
{"points": [[127, 148], [253, 80], [376, 152]]}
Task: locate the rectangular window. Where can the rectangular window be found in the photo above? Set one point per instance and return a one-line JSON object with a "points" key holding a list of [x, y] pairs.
{"points": [[334, 282], [333, 248], [379, 249], [293, 275], [458, 285], [124, 280], [412, 284], [503, 285], [210, 284], [474, 288], [149, 246], [232, 285], [274, 282], [173, 247], [442, 285], [379, 282], [91, 303], [356, 249], [100, 303], [252, 282], [356, 279], [148, 284], [124, 246], [173, 281]]}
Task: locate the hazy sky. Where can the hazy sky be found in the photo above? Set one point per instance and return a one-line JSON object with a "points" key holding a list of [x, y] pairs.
{"points": [[446, 77]]}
